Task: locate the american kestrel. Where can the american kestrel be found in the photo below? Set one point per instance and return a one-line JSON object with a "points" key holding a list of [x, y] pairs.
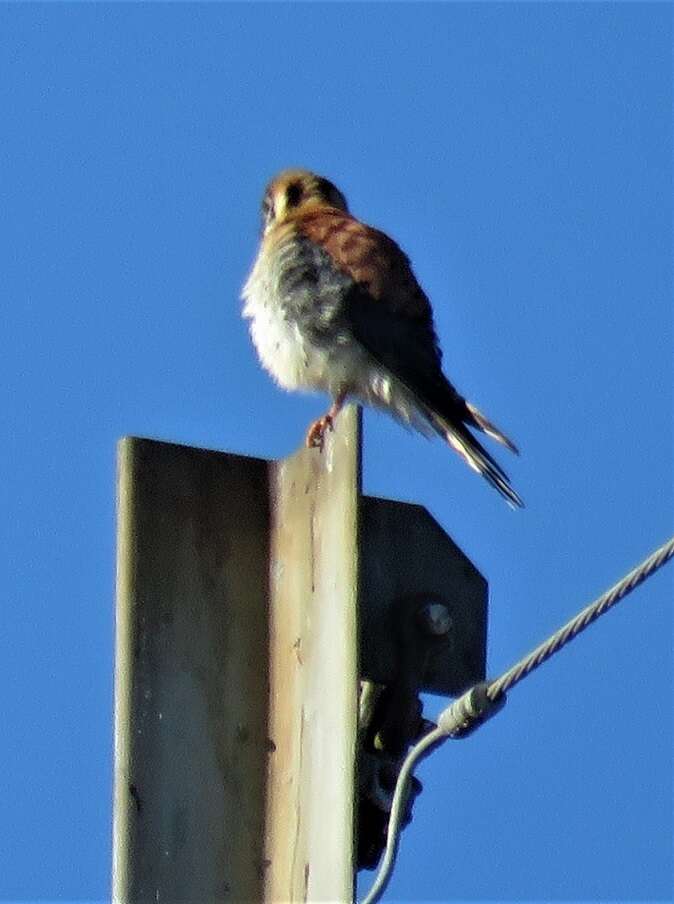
{"points": [[334, 306]]}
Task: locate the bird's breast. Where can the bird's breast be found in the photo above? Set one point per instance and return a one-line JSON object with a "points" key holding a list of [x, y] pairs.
{"points": [[294, 300]]}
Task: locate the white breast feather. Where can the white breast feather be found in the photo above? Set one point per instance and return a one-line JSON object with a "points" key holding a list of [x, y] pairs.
{"points": [[279, 344], [296, 363]]}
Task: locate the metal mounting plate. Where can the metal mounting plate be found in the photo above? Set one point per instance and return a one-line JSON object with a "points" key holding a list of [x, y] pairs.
{"points": [[407, 560]]}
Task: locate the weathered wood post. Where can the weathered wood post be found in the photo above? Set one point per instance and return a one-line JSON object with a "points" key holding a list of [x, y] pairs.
{"points": [[314, 670], [252, 599], [236, 675]]}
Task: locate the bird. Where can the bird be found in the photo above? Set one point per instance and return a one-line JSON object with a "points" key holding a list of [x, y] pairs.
{"points": [[334, 306]]}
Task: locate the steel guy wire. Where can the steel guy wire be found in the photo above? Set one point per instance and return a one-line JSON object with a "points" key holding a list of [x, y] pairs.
{"points": [[581, 621]]}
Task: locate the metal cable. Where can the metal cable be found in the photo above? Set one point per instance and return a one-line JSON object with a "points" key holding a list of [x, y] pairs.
{"points": [[453, 721], [572, 628], [421, 749]]}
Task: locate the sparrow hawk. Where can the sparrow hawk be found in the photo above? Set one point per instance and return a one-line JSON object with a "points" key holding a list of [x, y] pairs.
{"points": [[334, 306]]}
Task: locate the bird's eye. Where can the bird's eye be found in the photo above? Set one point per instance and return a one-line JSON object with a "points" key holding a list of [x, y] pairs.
{"points": [[293, 194]]}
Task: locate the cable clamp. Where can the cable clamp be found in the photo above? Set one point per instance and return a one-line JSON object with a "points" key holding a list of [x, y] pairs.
{"points": [[469, 711]]}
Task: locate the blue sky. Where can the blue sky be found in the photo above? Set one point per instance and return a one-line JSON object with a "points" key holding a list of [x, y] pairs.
{"points": [[521, 154]]}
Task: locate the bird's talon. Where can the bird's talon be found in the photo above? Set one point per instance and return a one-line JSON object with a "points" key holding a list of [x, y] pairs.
{"points": [[316, 433]]}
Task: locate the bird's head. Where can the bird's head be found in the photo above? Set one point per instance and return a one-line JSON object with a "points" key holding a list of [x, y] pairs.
{"points": [[294, 190]]}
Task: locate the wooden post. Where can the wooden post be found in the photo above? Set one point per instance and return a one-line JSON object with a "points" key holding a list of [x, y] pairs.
{"points": [[191, 741], [236, 688], [236, 673], [314, 670]]}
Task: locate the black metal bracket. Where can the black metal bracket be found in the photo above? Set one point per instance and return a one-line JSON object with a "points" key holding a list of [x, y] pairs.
{"points": [[423, 620]]}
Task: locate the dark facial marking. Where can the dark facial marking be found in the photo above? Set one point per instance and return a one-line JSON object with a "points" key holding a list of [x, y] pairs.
{"points": [[331, 193], [294, 194], [267, 209]]}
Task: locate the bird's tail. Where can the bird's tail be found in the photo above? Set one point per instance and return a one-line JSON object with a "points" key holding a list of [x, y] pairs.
{"points": [[453, 427], [477, 419]]}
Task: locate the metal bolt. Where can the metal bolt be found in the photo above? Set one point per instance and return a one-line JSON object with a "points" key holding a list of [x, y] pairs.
{"points": [[435, 619]]}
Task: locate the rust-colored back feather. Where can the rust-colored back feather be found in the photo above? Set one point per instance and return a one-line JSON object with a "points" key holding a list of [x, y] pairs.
{"points": [[369, 257]]}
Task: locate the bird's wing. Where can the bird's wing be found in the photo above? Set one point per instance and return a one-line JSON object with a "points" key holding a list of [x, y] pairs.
{"points": [[386, 308], [389, 314]]}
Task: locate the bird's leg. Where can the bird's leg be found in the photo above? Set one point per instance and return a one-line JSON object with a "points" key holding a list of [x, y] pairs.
{"points": [[316, 432]]}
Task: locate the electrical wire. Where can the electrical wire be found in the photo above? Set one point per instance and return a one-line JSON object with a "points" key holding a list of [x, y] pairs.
{"points": [[480, 702]]}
